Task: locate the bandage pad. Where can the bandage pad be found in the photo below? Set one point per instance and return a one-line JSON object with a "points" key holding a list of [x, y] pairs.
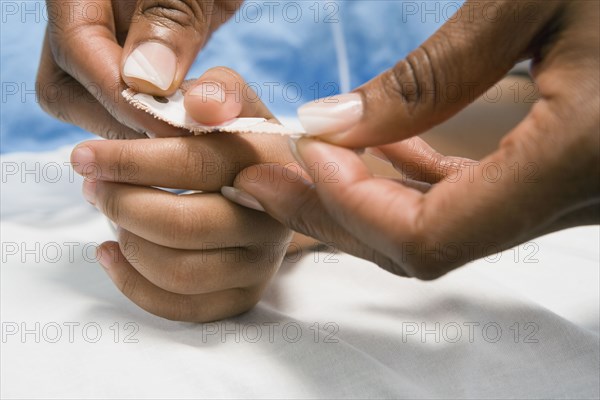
{"points": [[172, 111]]}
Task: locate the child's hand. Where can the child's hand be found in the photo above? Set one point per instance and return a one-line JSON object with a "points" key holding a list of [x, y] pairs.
{"points": [[192, 257]]}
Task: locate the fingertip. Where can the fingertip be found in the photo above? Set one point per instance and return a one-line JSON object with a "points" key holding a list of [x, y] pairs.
{"points": [[107, 255], [255, 187], [242, 198], [327, 163], [87, 143], [209, 103], [151, 68], [82, 157], [276, 187], [330, 117]]}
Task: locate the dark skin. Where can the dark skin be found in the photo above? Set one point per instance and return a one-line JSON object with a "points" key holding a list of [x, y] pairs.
{"points": [[87, 43], [83, 56], [549, 164], [365, 215], [196, 257]]}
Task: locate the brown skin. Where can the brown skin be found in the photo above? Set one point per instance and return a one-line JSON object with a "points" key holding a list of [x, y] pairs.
{"points": [[559, 135], [83, 57], [82, 53], [87, 43], [165, 260], [193, 257], [468, 213]]}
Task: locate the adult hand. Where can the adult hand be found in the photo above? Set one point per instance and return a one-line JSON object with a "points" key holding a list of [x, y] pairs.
{"points": [[94, 49], [543, 177], [195, 257]]}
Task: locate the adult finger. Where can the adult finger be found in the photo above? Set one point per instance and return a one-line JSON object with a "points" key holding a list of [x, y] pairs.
{"points": [[285, 195], [417, 160], [468, 215], [61, 96], [164, 39], [83, 42], [468, 54]]}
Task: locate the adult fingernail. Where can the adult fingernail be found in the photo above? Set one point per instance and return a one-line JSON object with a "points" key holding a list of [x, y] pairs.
{"points": [[152, 62], [89, 191], [331, 114], [293, 144], [105, 256], [81, 159], [242, 198], [209, 91]]}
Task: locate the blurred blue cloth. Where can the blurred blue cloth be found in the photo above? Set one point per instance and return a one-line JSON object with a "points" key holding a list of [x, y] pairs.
{"points": [[290, 52]]}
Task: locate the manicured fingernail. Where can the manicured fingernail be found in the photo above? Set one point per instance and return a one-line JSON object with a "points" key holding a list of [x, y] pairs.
{"points": [[293, 144], [152, 62], [297, 141], [240, 197], [209, 91], [105, 257], [89, 191], [81, 159], [331, 114]]}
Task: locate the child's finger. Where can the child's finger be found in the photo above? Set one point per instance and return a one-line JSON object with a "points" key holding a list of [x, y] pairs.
{"points": [[222, 94]]}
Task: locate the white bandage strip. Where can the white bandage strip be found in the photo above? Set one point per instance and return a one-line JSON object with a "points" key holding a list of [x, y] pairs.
{"points": [[172, 111]]}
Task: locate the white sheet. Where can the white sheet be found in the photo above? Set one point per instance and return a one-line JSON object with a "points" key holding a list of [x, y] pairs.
{"points": [[371, 314]]}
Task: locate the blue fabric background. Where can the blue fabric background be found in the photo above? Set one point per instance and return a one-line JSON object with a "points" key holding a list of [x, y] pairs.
{"points": [[290, 53]]}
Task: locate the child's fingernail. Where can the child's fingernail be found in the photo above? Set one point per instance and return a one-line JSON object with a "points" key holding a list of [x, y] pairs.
{"points": [[209, 91], [105, 256], [81, 159], [242, 198], [89, 191], [152, 62], [331, 114]]}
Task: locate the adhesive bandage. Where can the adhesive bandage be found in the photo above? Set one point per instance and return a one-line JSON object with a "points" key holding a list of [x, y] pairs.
{"points": [[172, 111]]}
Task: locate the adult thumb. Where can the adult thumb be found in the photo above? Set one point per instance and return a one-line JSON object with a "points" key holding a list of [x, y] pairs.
{"points": [[164, 38], [473, 50]]}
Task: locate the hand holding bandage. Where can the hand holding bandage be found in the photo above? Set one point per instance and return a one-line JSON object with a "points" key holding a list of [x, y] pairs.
{"points": [[94, 50], [543, 177]]}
